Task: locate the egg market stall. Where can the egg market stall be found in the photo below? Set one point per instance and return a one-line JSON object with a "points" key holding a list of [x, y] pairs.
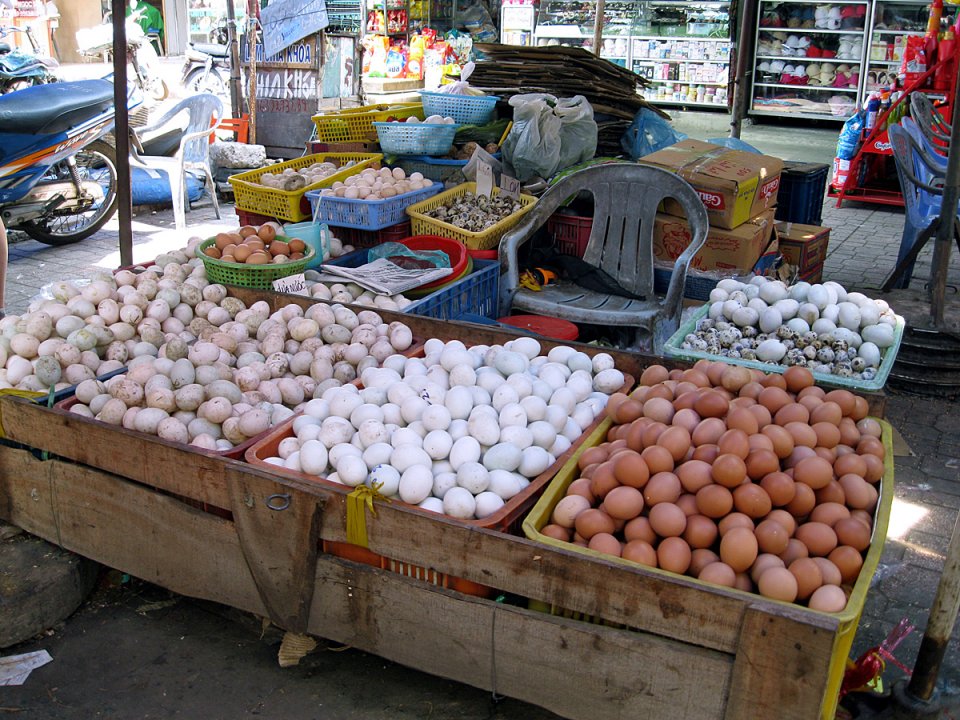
{"points": [[261, 420]]}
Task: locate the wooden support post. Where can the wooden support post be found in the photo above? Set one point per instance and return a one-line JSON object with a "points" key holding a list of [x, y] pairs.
{"points": [[598, 27]]}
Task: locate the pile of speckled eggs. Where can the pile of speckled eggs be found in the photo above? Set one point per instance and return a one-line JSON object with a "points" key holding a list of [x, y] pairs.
{"points": [[820, 327], [765, 483]]}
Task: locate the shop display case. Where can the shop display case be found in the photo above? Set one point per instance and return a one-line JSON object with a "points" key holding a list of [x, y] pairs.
{"points": [[893, 22], [682, 48], [517, 22], [809, 58]]}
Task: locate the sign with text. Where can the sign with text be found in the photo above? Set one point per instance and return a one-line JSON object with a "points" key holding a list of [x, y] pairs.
{"points": [[286, 21], [510, 186], [484, 179], [302, 54], [293, 284]]}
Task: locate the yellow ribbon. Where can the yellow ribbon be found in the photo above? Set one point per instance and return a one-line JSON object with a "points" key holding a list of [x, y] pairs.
{"points": [[362, 497], [13, 392]]}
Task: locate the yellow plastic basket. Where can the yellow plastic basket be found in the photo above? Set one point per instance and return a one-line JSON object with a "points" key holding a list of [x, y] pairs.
{"points": [[259, 277], [251, 196], [356, 124], [848, 618], [421, 224]]}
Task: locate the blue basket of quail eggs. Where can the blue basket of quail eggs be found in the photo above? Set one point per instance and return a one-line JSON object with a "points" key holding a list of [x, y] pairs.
{"points": [[433, 136], [844, 338]]}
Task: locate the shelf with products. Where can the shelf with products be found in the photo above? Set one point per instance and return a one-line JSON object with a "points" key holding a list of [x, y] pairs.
{"points": [[809, 58], [388, 18], [894, 21]]}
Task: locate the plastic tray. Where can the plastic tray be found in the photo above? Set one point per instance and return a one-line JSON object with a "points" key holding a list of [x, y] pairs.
{"points": [[366, 214], [401, 138], [421, 224], [475, 294], [251, 276], [848, 618], [672, 349], [467, 109], [356, 124], [290, 205]]}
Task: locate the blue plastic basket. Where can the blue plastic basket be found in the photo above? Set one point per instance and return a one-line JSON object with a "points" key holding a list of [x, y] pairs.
{"points": [[366, 214], [468, 109], [402, 138], [442, 170], [473, 295], [476, 294]]}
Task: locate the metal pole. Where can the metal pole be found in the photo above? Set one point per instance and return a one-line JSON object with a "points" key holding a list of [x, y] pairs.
{"points": [[252, 45], [943, 615], [948, 214], [598, 27], [122, 131], [236, 96], [746, 10]]}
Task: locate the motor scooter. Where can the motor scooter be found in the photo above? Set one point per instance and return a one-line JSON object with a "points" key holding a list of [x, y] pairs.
{"points": [[141, 53], [58, 182], [206, 69], [19, 68]]}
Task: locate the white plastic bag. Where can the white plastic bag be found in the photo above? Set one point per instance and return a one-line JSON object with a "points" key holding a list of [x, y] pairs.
{"points": [[548, 135], [480, 155]]}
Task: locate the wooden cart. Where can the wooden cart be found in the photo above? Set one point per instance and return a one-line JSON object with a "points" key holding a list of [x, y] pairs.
{"points": [[134, 503]]}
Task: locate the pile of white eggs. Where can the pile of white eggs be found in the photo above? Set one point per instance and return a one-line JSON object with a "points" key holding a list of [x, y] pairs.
{"points": [[432, 120], [821, 327], [460, 431], [290, 179], [377, 185], [352, 293]]}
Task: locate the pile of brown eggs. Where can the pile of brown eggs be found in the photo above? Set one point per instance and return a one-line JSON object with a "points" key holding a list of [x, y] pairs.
{"points": [[256, 246], [766, 483]]}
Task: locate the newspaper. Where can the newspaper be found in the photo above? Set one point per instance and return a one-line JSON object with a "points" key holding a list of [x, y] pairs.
{"points": [[383, 277]]}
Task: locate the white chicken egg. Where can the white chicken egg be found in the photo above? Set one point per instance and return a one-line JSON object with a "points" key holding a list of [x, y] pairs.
{"points": [[442, 482], [473, 476], [416, 484], [487, 504], [386, 477], [313, 457], [505, 484], [407, 456], [465, 450], [517, 435], [377, 454], [438, 444], [459, 502], [534, 461], [352, 470]]}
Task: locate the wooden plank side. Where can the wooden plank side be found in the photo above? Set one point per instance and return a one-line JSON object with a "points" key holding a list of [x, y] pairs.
{"points": [[782, 666], [128, 527], [133, 455], [579, 670], [279, 531], [674, 606]]}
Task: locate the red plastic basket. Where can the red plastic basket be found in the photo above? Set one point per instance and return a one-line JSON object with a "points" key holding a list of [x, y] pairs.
{"points": [[570, 233], [251, 218], [456, 251]]}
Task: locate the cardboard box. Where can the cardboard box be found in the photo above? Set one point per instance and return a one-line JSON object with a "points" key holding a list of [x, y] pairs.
{"points": [[812, 276], [738, 249], [734, 185], [804, 246]]}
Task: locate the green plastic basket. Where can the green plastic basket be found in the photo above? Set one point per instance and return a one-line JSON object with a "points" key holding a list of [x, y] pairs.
{"points": [[259, 277], [673, 349]]}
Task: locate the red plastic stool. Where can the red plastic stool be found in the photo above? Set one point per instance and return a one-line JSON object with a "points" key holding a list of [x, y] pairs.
{"points": [[553, 328]]}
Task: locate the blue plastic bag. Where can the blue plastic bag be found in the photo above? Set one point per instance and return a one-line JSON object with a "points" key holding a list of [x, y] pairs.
{"points": [[648, 133], [734, 144], [849, 140]]}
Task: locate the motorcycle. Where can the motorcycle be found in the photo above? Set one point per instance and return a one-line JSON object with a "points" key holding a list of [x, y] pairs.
{"points": [[58, 182], [141, 53], [206, 69], [20, 69]]}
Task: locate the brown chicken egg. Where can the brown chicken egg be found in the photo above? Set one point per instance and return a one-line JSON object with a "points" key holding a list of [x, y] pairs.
{"points": [[808, 575], [700, 558], [667, 520], [828, 598], [752, 500], [848, 561], [804, 500], [795, 549], [829, 513], [734, 442], [676, 440], [657, 459], [556, 532], [629, 468], [653, 375], [779, 487], [701, 531], [694, 474], [797, 378], [764, 561], [708, 431], [738, 548], [778, 584], [819, 538], [605, 543], [772, 537], [714, 501], [674, 554], [623, 503], [663, 487], [639, 529], [830, 572], [729, 470], [813, 471], [718, 573], [640, 551], [852, 532]]}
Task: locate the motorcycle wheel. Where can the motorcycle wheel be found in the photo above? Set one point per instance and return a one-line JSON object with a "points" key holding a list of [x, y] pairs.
{"points": [[198, 81], [65, 227], [158, 90]]}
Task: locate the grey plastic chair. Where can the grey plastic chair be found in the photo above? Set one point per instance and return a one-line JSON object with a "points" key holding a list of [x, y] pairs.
{"points": [[626, 197], [204, 113], [931, 122]]}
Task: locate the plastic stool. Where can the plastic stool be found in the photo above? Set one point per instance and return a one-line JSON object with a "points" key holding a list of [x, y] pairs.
{"points": [[240, 126], [553, 328]]}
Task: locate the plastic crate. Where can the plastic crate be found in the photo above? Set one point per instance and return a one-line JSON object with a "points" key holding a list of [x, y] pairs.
{"points": [[672, 349], [400, 138], [356, 124], [260, 277], [802, 188], [485, 240], [570, 233], [251, 218], [290, 205], [848, 618], [371, 238], [475, 294], [699, 284], [366, 214], [506, 519], [439, 170], [467, 109]]}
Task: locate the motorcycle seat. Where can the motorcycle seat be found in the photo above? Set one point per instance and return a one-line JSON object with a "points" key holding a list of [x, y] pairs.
{"points": [[55, 107], [5, 48], [219, 51]]}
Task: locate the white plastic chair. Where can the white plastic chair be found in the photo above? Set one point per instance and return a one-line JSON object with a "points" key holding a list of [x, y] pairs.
{"points": [[204, 113]]}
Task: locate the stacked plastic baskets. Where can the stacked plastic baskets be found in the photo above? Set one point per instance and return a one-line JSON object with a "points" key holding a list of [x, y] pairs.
{"points": [[465, 110]]}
